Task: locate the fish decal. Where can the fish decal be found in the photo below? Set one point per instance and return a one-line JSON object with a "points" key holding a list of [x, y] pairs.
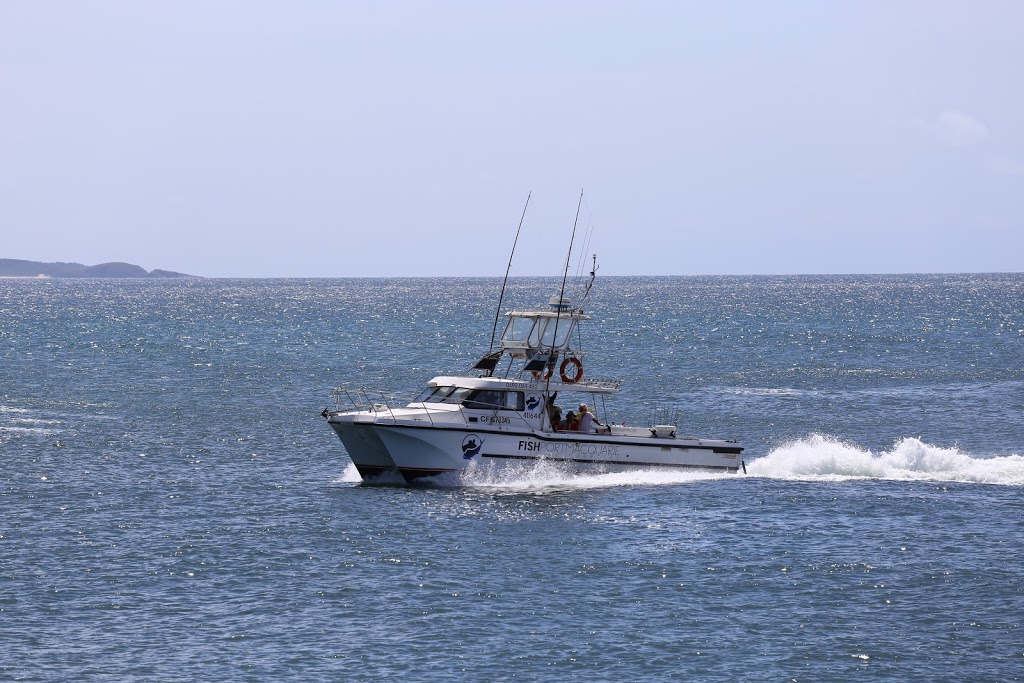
{"points": [[471, 446]]}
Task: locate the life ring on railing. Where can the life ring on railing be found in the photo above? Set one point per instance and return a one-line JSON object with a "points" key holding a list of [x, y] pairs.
{"points": [[576, 375]]}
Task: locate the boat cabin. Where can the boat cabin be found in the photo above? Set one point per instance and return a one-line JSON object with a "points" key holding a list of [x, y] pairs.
{"points": [[501, 403]]}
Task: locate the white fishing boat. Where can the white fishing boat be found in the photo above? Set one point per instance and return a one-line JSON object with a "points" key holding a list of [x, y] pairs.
{"points": [[480, 420]]}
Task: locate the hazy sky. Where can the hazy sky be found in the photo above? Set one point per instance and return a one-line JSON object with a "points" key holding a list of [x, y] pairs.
{"points": [[317, 138]]}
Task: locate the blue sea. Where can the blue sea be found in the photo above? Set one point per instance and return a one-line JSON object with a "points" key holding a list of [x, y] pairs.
{"points": [[173, 507]]}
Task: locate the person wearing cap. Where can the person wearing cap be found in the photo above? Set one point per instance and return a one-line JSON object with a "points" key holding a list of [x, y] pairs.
{"points": [[588, 419]]}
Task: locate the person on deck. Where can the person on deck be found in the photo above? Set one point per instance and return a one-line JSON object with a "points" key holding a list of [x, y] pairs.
{"points": [[572, 424], [588, 419], [554, 413]]}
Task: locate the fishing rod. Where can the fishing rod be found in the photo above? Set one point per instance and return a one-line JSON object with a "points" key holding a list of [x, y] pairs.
{"points": [[501, 297], [553, 357]]}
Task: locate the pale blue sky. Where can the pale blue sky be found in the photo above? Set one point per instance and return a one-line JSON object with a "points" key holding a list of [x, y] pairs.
{"points": [[401, 138]]}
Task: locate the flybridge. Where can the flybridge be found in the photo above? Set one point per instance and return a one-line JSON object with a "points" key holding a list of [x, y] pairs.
{"points": [[530, 332], [538, 337]]}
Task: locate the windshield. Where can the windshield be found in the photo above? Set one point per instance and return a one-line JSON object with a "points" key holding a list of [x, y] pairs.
{"points": [[487, 399], [518, 329], [434, 394], [564, 326], [457, 396]]}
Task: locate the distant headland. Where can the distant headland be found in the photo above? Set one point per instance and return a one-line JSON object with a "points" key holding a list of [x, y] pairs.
{"points": [[10, 267]]}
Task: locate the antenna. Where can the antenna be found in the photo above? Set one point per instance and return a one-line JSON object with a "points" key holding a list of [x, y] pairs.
{"points": [[590, 284]]}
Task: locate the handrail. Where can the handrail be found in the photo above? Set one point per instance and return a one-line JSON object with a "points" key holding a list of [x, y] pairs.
{"points": [[364, 399]]}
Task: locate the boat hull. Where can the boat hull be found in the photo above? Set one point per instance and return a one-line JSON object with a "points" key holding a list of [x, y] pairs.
{"points": [[415, 451], [372, 459]]}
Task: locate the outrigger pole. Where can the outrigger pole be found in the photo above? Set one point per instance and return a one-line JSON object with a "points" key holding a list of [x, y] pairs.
{"points": [[553, 358], [501, 297]]}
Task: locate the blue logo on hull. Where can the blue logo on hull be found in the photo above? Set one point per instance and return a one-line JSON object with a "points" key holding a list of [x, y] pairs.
{"points": [[471, 446]]}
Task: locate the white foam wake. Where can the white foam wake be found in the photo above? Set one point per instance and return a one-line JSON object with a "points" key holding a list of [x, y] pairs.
{"points": [[545, 475], [819, 457], [542, 475]]}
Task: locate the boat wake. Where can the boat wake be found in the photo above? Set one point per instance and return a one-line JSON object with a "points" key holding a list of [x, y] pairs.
{"points": [[825, 458], [552, 476], [546, 476], [21, 421]]}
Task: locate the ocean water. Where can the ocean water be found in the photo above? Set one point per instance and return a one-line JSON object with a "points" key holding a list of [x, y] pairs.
{"points": [[173, 507]]}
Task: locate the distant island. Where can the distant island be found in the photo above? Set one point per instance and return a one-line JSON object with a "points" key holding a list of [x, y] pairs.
{"points": [[10, 267]]}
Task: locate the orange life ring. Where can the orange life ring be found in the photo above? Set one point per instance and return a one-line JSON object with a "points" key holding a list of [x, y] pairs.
{"points": [[577, 375]]}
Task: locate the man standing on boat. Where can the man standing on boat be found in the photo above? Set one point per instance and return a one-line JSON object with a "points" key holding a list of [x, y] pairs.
{"points": [[588, 419]]}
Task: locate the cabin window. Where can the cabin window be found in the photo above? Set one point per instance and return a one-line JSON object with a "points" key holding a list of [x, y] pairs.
{"points": [[538, 332], [518, 329], [564, 327], [437, 395], [514, 400], [433, 394], [457, 396], [490, 399], [485, 399]]}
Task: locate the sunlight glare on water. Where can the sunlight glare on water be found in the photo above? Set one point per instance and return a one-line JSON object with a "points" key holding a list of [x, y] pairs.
{"points": [[174, 507]]}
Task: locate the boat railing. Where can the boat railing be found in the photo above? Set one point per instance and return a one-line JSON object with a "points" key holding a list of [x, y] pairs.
{"points": [[351, 398], [664, 416], [362, 399]]}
